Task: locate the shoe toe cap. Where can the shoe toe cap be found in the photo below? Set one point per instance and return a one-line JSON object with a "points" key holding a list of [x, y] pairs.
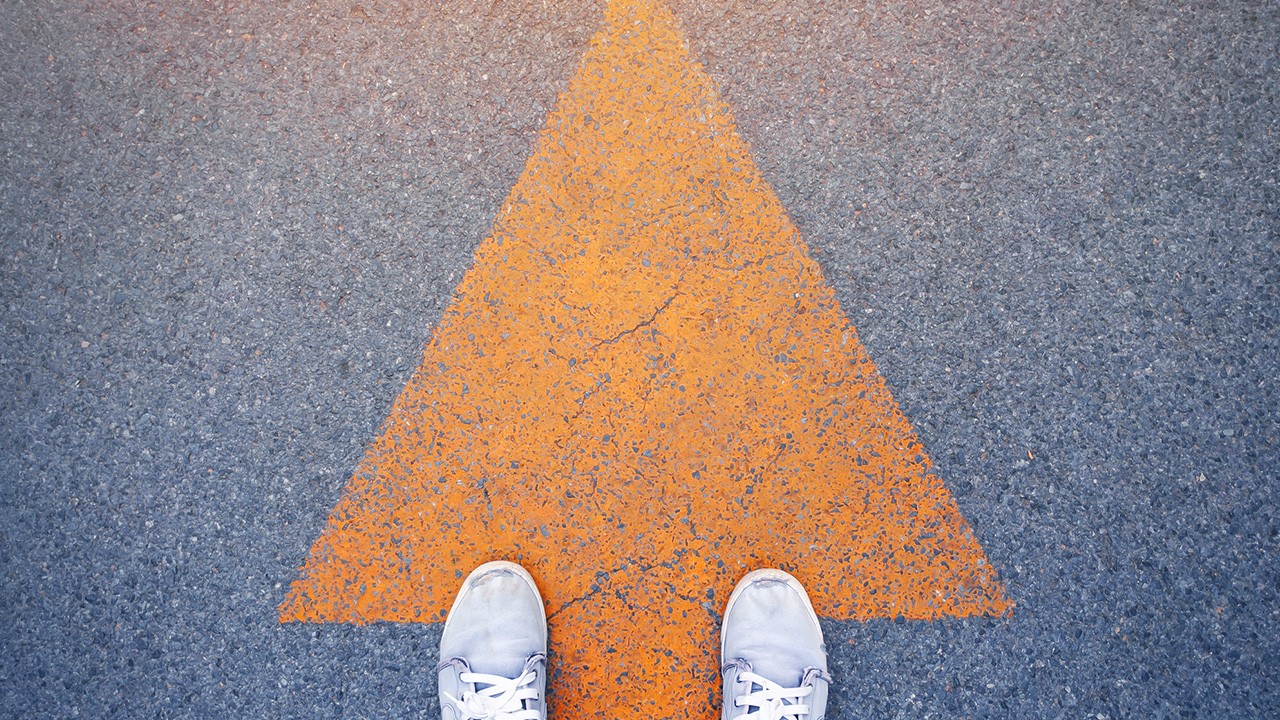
{"points": [[497, 622], [771, 624]]}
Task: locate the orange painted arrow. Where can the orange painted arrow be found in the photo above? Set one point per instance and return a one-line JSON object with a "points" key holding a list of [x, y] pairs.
{"points": [[643, 389]]}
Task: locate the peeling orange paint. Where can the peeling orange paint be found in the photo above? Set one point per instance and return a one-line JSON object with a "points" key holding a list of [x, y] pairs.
{"points": [[643, 389]]}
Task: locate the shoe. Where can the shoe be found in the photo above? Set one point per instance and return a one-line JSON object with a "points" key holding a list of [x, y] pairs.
{"points": [[493, 652], [771, 651]]}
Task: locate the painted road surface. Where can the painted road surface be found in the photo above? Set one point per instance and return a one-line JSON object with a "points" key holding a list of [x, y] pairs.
{"points": [[643, 390], [239, 239]]}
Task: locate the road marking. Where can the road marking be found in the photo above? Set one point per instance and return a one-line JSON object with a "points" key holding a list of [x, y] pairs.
{"points": [[643, 389]]}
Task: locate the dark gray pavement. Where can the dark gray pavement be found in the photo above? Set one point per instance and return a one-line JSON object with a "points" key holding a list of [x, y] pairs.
{"points": [[228, 230]]}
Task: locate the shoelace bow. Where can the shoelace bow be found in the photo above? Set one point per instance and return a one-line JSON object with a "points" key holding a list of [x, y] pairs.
{"points": [[503, 699], [772, 701]]}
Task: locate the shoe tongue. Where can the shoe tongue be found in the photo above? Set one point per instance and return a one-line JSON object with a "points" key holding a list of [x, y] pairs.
{"points": [[785, 686], [752, 707], [504, 662], [502, 671], [482, 686], [784, 681]]}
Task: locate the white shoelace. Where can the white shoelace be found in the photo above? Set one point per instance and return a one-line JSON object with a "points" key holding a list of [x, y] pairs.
{"points": [[503, 699], [772, 701]]}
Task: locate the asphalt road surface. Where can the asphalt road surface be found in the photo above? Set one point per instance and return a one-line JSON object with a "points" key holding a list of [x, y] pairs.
{"points": [[228, 231]]}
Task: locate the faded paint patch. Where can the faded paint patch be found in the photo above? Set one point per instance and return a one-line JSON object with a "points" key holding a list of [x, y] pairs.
{"points": [[643, 389]]}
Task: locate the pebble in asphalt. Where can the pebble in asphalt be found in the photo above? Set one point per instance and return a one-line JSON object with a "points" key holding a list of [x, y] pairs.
{"points": [[228, 231]]}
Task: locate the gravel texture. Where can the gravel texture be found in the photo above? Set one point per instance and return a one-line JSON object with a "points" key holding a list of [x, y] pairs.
{"points": [[228, 230]]}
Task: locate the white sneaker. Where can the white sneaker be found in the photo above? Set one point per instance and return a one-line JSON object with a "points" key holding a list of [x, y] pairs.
{"points": [[771, 651], [493, 653]]}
